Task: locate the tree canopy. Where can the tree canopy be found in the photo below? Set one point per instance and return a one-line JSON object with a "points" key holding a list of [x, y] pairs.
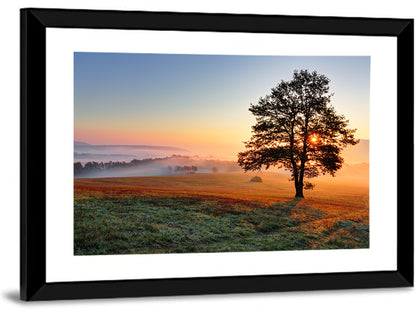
{"points": [[297, 129]]}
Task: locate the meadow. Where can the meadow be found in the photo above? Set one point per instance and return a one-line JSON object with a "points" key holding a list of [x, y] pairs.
{"points": [[217, 212]]}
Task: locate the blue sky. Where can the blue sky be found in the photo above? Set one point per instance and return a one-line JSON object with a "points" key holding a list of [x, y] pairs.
{"points": [[193, 101]]}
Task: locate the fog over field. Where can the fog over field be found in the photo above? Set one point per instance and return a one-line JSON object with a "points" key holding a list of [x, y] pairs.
{"points": [[84, 152], [147, 160]]}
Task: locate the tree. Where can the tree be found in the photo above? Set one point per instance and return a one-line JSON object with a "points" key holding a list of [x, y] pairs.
{"points": [[297, 129]]}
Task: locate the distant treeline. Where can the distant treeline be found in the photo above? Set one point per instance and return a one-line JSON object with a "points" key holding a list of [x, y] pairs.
{"points": [[93, 167]]}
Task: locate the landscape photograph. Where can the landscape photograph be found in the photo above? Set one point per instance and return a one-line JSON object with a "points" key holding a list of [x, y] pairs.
{"points": [[193, 153]]}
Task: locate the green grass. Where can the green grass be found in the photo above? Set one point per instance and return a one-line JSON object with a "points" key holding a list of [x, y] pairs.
{"points": [[183, 224]]}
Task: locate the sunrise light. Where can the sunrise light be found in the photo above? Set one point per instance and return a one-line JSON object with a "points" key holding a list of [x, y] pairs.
{"points": [[314, 139]]}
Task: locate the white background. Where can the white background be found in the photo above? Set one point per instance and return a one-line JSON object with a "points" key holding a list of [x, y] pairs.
{"points": [[381, 299]]}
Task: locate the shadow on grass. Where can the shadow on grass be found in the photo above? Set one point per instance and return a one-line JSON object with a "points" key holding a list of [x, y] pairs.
{"points": [[287, 205]]}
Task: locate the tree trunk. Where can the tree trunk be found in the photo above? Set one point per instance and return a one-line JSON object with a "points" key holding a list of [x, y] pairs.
{"points": [[299, 190]]}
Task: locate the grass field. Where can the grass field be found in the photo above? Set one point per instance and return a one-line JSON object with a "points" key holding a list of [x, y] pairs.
{"points": [[217, 213]]}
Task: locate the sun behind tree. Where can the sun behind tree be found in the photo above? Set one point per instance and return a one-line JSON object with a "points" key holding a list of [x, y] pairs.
{"points": [[297, 129]]}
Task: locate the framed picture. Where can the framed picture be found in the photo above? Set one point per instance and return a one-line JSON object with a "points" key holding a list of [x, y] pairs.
{"points": [[188, 153]]}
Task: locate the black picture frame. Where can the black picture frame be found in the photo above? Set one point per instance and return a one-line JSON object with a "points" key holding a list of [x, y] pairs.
{"points": [[34, 22]]}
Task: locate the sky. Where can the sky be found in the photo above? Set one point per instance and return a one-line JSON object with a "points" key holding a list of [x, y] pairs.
{"points": [[198, 102]]}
